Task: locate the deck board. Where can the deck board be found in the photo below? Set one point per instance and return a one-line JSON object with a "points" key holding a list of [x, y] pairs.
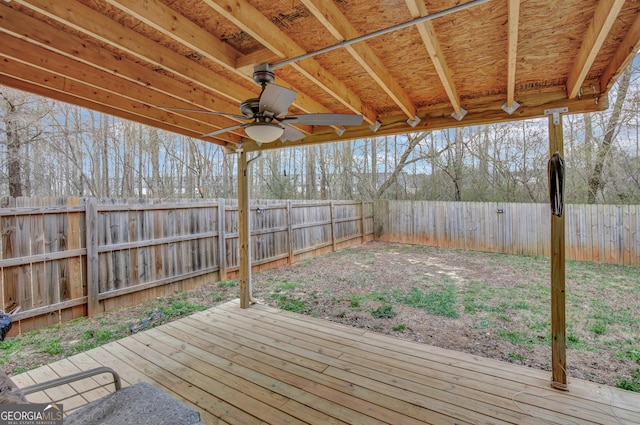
{"points": [[266, 366]]}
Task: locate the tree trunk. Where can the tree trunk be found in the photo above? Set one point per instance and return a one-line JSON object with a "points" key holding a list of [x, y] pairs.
{"points": [[595, 179], [13, 151]]}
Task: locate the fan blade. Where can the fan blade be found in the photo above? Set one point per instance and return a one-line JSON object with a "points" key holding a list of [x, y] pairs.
{"points": [[224, 130], [203, 111], [291, 133], [276, 99], [324, 119]]}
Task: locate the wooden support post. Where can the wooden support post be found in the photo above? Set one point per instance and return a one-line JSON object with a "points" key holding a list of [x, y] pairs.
{"points": [[243, 231], [558, 325], [93, 289]]}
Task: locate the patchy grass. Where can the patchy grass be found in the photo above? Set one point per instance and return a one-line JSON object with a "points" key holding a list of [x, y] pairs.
{"points": [[36, 348]]}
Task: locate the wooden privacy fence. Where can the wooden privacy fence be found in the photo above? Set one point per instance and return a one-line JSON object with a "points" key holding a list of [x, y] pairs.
{"points": [[63, 258], [600, 233]]}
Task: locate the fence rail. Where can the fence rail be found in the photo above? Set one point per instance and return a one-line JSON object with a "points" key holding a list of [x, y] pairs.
{"points": [[62, 258], [600, 233]]}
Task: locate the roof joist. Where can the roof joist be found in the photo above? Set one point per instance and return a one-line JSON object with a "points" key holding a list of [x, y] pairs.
{"points": [[430, 40], [599, 27], [340, 27], [512, 52], [251, 21]]}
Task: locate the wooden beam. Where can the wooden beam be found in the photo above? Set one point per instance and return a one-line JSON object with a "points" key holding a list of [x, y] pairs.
{"points": [[96, 92], [340, 27], [76, 59], [243, 230], [558, 325], [514, 20], [532, 106], [164, 19], [430, 40], [625, 53], [242, 14], [599, 28], [42, 82], [100, 27]]}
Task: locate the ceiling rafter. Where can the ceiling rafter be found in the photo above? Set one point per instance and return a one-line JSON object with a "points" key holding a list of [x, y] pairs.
{"points": [[105, 106], [623, 55], [74, 58], [162, 18], [254, 23], [340, 27], [430, 40], [512, 51], [599, 28], [100, 27], [43, 82]]}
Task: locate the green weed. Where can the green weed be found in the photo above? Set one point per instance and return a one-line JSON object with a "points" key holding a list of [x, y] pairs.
{"points": [[285, 302], [516, 357], [384, 312], [228, 283], [513, 337], [599, 328], [52, 346], [440, 301], [355, 301], [632, 384], [399, 328]]}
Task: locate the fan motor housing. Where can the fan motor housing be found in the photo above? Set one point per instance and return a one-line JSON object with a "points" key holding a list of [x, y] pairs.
{"points": [[250, 107]]}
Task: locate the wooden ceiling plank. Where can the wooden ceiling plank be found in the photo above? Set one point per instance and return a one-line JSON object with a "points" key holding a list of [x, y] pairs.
{"points": [[44, 83], [599, 27], [100, 27], [75, 59], [512, 50], [254, 23], [340, 27], [430, 40], [625, 53]]}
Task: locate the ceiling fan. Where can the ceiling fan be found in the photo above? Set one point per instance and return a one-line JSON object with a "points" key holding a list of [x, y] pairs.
{"points": [[267, 114]]}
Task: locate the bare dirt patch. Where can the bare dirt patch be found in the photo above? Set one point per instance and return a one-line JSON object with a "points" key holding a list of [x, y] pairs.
{"points": [[491, 305]]}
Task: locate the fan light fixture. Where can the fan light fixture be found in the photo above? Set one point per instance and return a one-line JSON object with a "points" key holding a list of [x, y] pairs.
{"points": [[264, 132]]}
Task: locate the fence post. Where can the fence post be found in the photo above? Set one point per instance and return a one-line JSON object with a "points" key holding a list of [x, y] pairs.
{"points": [[333, 227], [91, 216], [290, 231], [222, 242], [361, 221]]}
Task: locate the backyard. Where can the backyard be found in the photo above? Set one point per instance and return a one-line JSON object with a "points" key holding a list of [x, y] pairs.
{"points": [[492, 305]]}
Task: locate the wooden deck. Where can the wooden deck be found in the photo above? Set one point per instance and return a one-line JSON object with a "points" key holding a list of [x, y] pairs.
{"points": [[264, 365]]}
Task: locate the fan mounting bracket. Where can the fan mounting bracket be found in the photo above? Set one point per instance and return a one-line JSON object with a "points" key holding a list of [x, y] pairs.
{"points": [[263, 74]]}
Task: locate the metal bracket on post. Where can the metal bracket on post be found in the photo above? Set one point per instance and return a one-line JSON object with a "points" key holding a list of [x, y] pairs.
{"points": [[510, 109], [556, 113], [459, 116]]}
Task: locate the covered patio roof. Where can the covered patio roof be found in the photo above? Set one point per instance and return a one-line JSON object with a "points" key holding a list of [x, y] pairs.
{"points": [[490, 61]]}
